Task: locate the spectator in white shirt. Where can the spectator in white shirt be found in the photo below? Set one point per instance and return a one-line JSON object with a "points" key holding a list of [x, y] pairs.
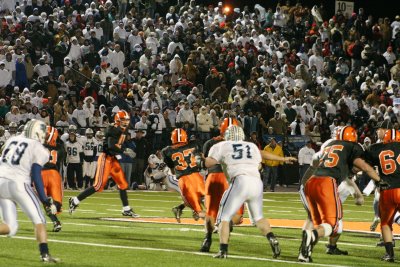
{"points": [[5, 75], [117, 58], [42, 69], [305, 158], [80, 116], [186, 115]]}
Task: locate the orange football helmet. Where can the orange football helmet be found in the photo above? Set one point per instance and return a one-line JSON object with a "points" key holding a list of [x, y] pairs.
{"points": [[122, 119], [226, 123], [347, 133], [51, 136], [391, 136], [179, 136]]}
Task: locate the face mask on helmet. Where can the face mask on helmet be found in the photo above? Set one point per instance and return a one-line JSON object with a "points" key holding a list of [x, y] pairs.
{"points": [[234, 133], [35, 129]]}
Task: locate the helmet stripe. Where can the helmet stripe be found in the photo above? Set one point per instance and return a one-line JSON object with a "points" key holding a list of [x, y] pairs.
{"points": [[179, 135]]}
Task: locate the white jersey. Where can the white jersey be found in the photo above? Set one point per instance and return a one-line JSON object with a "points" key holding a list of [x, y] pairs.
{"points": [[89, 145], [3, 140], [73, 151], [241, 157], [18, 156]]}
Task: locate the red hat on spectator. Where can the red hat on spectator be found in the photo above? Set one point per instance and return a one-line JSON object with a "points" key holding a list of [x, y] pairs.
{"points": [[45, 101], [124, 86], [231, 65], [222, 25], [103, 64]]}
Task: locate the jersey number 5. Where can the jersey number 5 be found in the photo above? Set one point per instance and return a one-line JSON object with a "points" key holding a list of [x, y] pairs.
{"points": [[180, 157], [330, 157], [238, 151], [388, 164]]}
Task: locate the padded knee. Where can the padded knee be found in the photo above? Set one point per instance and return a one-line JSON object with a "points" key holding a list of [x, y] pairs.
{"points": [[327, 229]]}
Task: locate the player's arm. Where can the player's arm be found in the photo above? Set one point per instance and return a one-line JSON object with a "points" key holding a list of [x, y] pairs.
{"points": [[214, 155], [36, 174], [210, 162], [114, 147], [265, 155], [365, 167]]}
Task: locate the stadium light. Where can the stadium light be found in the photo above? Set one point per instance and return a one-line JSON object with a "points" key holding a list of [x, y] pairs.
{"points": [[227, 9]]}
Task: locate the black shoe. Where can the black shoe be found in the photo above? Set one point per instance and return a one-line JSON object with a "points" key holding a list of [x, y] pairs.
{"points": [[276, 250], [72, 205], [130, 213], [205, 247], [48, 258], [221, 255], [56, 226], [177, 213], [388, 258], [334, 250]]}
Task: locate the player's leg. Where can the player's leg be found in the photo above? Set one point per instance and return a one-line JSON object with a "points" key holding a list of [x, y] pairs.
{"points": [[192, 188], [172, 184], [389, 203], [8, 212], [376, 220], [101, 178], [308, 225], [119, 178], [26, 198], [52, 183], [86, 170], [255, 205], [79, 175], [70, 176], [231, 201]]}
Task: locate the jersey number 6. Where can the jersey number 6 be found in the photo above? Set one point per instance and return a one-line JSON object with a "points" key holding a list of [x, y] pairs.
{"points": [[388, 164]]}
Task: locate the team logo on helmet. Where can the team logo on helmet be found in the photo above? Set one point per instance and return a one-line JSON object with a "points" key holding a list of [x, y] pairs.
{"points": [[347, 133], [179, 136]]}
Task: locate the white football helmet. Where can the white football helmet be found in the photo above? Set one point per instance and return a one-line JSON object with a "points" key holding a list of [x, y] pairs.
{"points": [[99, 135], [234, 133], [89, 133], [35, 129], [154, 161]]}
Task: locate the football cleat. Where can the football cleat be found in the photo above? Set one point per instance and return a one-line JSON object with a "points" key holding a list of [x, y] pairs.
{"points": [[374, 224], [48, 258], [205, 247], [387, 258], [56, 226], [334, 250], [72, 205], [196, 216], [130, 213], [221, 255], [276, 250], [177, 213], [308, 242]]}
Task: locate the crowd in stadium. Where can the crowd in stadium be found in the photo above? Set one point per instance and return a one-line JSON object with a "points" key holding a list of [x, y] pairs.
{"points": [[280, 70]]}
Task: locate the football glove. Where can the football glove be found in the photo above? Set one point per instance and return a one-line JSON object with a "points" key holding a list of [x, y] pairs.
{"points": [[130, 153], [383, 185], [50, 208], [200, 161]]}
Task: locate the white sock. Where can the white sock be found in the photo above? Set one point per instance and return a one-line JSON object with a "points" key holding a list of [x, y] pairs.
{"points": [[76, 201], [126, 208]]}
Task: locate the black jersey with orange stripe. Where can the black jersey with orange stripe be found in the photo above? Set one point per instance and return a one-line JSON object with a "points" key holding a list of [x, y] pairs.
{"points": [[337, 159], [114, 138], [181, 158], [57, 156], [206, 148], [387, 158]]}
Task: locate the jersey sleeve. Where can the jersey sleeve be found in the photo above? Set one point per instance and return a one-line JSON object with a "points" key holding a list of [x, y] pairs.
{"points": [[40, 154], [215, 152], [167, 158], [357, 152]]}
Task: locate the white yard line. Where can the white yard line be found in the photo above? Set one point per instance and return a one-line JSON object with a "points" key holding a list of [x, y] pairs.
{"points": [[177, 251]]}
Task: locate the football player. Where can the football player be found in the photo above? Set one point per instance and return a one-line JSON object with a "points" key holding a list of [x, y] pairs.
{"points": [[3, 137], [181, 159], [385, 156], [156, 173], [216, 184], [52, 181], [346, 188], [90, 145], [108, 165], [338, 158], [242, 160], [21, 163], [12, 130], [74, 161]]}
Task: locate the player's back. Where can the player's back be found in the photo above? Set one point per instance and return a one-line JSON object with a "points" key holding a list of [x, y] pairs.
{"points": [[336, 159], [387, 158], [206, 149], [182, 158], [240, 157], [57, 156], [18, 156]]}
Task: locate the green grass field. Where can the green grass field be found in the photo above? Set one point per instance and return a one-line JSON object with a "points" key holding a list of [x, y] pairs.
{"points": [[87, 240]]}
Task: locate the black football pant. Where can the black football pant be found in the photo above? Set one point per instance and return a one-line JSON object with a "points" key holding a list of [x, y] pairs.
{"points": [[74, 170]]}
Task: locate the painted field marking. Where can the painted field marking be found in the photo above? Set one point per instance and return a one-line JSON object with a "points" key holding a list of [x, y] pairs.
{"points": [[176, 251]]}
